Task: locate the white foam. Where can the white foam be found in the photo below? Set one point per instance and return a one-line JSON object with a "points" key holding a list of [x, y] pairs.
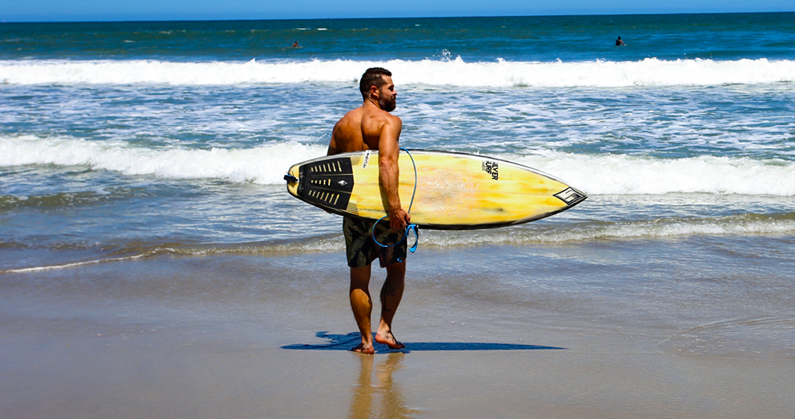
{"points": [[529, 234], [637, 175], [73, 264], [264, 165], [605, 174], [444, 72]]}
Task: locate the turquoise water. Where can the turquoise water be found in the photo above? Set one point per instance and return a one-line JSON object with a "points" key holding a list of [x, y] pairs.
{"points": [[125, 140], [568, 38]]}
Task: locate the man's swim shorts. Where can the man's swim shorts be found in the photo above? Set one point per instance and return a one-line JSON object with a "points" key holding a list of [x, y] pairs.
{"points": [[362, 250]]}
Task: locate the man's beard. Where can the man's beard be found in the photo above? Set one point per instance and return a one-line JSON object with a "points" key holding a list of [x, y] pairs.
{"points": [[387, 105]]}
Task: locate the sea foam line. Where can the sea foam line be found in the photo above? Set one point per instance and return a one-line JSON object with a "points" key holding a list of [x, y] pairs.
{"points": [[263, 165], [639, 175], [522, 235], [648, 72], [267, 164], [585, 232], [576, 231], [73, 264]]}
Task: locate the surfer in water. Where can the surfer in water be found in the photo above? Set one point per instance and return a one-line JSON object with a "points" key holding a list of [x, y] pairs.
{"points": [[372, 127], [620, 43]]}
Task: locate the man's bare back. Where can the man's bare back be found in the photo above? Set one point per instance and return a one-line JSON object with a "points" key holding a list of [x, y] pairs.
{"points": [[372, 127], [363, 127]]}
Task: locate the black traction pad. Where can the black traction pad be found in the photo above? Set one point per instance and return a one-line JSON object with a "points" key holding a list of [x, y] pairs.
{"points": [[328, 182]]}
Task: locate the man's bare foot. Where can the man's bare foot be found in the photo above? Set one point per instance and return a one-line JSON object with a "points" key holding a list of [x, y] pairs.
{"points": [[364, 350], [389, 341]]}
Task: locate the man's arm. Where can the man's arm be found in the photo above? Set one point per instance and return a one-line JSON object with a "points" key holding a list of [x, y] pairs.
{"points": [[332, 145], [388, 152]]}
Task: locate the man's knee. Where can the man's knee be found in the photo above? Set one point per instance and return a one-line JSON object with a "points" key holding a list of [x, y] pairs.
{"points": [[396, 271], [360, 277]]}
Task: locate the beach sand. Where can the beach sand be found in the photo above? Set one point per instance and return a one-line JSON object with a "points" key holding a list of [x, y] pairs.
{"points": [[248, 336]]}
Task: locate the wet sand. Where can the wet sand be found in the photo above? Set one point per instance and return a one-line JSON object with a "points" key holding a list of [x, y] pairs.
{"points": [[250, 336]]}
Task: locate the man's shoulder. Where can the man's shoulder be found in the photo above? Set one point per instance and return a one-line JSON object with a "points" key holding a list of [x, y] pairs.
{"points": [[353, 115], [393, 118], [383, 116], [369, 116], [352, 118]]}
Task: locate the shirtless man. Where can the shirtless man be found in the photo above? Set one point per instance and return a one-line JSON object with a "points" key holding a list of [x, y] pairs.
{"points": [[371, 127]]}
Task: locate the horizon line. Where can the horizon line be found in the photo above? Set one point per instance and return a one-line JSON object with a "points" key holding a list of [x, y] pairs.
{"points": [[390, 18]]}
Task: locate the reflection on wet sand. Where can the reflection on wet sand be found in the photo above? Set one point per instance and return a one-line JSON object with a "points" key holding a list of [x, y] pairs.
{"points": [[382, 398]]}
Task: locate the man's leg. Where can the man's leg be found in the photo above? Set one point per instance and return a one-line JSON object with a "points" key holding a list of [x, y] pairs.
{"points": [[391, 293], [362, 307]]}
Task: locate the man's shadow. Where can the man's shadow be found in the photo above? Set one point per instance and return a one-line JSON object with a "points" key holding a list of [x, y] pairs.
{"points": [[337, 342]]}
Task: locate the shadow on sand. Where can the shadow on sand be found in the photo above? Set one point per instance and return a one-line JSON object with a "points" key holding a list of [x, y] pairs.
{"points": [[346, 342]]}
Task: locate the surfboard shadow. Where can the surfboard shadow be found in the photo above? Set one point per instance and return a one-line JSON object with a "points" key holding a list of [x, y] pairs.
{"points": [[338, 342]]}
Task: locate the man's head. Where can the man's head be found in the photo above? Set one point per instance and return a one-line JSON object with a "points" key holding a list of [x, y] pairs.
{"points": [[377, 83]]}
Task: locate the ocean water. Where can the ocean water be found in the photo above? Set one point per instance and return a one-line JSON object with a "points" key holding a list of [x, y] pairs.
{"points": [[134, 139]]}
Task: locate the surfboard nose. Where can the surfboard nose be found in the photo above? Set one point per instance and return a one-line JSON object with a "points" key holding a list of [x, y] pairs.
{"points": [[571, 196]]}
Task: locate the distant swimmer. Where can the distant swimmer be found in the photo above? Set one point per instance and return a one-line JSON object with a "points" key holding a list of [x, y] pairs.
{"points": [[295, 44], [620, 43]]}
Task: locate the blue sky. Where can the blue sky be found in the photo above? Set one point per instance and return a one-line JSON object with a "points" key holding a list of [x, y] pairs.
{"points": [[90, 10]]}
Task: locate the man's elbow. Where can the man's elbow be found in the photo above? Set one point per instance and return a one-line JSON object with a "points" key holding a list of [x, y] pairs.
{"points": [[387, 165]]}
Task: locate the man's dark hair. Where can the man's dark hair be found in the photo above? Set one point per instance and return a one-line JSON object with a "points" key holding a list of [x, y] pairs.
{"points": [[372, 77]]}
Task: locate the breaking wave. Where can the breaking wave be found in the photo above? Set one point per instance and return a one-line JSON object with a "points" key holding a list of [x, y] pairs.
{"points": [[267, 164], [455, 72]]}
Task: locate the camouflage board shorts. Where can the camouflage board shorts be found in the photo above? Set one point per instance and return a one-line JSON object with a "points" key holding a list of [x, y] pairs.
{"points": [[362, 250]]}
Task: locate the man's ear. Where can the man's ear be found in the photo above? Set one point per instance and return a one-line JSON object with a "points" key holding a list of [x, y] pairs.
{"points": [[375, 91]]}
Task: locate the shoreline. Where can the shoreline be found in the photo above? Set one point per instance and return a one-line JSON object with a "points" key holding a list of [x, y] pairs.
{"points": [[251, 336]]}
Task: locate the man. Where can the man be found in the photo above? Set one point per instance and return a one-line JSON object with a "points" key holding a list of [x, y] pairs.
{"points": [[620, 43], [371, 127]]}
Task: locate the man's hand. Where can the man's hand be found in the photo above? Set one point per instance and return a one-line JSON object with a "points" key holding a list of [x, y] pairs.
{"points": [[399, 219]]}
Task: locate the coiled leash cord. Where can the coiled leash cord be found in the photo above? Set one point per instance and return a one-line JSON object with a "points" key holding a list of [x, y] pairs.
{"points": [[410, 227]]}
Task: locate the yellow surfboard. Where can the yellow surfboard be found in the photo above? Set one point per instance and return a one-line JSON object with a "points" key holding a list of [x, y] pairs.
{"points": [[454, 191]]}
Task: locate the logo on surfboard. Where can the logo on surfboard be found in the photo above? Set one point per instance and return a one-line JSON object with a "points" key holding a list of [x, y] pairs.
{"points": [[366, 159], [492, 168], [571, 196]]}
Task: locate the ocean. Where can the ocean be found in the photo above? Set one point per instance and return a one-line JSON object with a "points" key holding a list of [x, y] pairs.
{"points": [[139, 138]]}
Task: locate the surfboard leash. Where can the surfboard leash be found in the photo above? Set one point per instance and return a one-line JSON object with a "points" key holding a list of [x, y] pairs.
{"points": [[410, 227]]}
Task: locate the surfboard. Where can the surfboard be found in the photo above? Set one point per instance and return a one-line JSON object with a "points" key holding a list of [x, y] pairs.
{"points": [[454, 191]]}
